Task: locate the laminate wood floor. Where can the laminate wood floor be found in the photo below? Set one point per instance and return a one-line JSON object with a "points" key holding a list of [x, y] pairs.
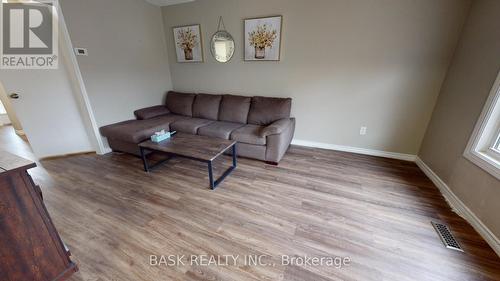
{"points": [[316, 203]]}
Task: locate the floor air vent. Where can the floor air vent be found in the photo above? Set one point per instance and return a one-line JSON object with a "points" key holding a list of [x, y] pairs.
{"points": [[445, 234]]}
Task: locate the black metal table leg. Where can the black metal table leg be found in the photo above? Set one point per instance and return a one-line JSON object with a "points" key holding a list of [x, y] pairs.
{"points": [[215, 183], [234, 155], [211, 175], [144, 160], [149, 167]]}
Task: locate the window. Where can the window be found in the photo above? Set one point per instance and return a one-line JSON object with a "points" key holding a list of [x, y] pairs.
{"points": [[494, 149], [484, 145], [2, 109], [496, 146]]}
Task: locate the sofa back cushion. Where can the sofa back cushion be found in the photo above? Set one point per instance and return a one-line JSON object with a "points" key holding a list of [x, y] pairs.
{"points": [[234, 109], [265, 111], [206, 106], [180, 103]]}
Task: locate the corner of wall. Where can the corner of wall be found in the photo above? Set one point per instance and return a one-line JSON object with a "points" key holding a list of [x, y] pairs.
{"points": [[450, 64], [165, 42], [78, 84]]}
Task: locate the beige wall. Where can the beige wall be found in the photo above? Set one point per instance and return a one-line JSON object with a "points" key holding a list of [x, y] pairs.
{"points": [[473, 71], [127, 65], [346, 64]]}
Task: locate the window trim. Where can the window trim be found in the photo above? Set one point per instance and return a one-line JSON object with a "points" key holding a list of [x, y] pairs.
{"points": [[480, 149]]}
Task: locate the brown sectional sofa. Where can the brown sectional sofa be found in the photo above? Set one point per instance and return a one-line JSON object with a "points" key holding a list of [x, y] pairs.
{"points": [[261, 125]]}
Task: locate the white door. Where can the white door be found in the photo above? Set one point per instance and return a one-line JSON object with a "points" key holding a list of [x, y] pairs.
{"points": [[49, 103], [47, 109]]}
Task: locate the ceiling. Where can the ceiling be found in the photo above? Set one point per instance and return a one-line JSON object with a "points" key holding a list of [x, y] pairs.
{"points": [[168, 2]]}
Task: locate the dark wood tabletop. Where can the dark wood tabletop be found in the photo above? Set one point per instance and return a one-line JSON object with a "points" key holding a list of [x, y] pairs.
{"points": [[193, 146], [10, 162]]}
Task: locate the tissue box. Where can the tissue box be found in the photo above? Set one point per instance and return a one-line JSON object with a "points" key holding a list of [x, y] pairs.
{"points": [[159, 138]]}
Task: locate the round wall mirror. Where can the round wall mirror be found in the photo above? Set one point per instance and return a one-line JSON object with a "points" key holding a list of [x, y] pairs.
{"points": [[222, 46]]}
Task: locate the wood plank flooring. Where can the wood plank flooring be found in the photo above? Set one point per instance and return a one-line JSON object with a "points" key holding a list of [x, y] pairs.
{"points": [[318, 203]]}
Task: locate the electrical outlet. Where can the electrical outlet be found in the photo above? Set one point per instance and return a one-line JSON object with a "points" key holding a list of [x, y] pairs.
{"points": [[362, 131]]}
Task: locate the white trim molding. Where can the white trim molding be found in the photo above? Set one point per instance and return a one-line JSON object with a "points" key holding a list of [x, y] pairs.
{"points": [[358, 150], [460, 208], [479, 149]]}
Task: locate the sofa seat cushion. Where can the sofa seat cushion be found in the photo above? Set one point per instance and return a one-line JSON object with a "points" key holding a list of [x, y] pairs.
{"points": [[249, 134], [136, 131], [189, 125], [221, 130]]}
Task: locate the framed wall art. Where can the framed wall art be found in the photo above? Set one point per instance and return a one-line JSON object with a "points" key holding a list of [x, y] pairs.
{"points": [[263, 38], [188, 43]]}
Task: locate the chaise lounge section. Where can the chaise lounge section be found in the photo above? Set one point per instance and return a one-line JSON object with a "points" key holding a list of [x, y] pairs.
{"points": [[262, 126]]}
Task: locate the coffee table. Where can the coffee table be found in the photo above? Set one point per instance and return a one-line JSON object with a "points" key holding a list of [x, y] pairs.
{"points": [[194, 147]]}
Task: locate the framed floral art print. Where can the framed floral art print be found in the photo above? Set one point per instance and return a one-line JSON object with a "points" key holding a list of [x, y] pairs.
{"points": [[188, 43], [263, 38]]}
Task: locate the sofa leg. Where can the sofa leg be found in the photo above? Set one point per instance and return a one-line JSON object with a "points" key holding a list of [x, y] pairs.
{"points": [[272, 163]]}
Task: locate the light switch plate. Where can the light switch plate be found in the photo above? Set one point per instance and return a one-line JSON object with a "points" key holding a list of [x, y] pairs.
{"points": [[81, 52], [362, 131]]}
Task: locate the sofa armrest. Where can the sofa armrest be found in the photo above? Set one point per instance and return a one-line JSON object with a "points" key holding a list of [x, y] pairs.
{"points": [[277, 144], [151, 112], [276, 128]]}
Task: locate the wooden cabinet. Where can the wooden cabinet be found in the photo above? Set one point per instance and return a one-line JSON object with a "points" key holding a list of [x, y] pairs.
{"points": [[30, 247]]}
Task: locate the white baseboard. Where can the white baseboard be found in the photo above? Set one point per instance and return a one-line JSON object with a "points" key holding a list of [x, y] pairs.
{"points": [[372, 152], [460, 208]]}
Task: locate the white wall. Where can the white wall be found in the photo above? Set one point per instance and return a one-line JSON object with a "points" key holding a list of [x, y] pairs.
{"points": [[346, 64], [127, 66]]}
